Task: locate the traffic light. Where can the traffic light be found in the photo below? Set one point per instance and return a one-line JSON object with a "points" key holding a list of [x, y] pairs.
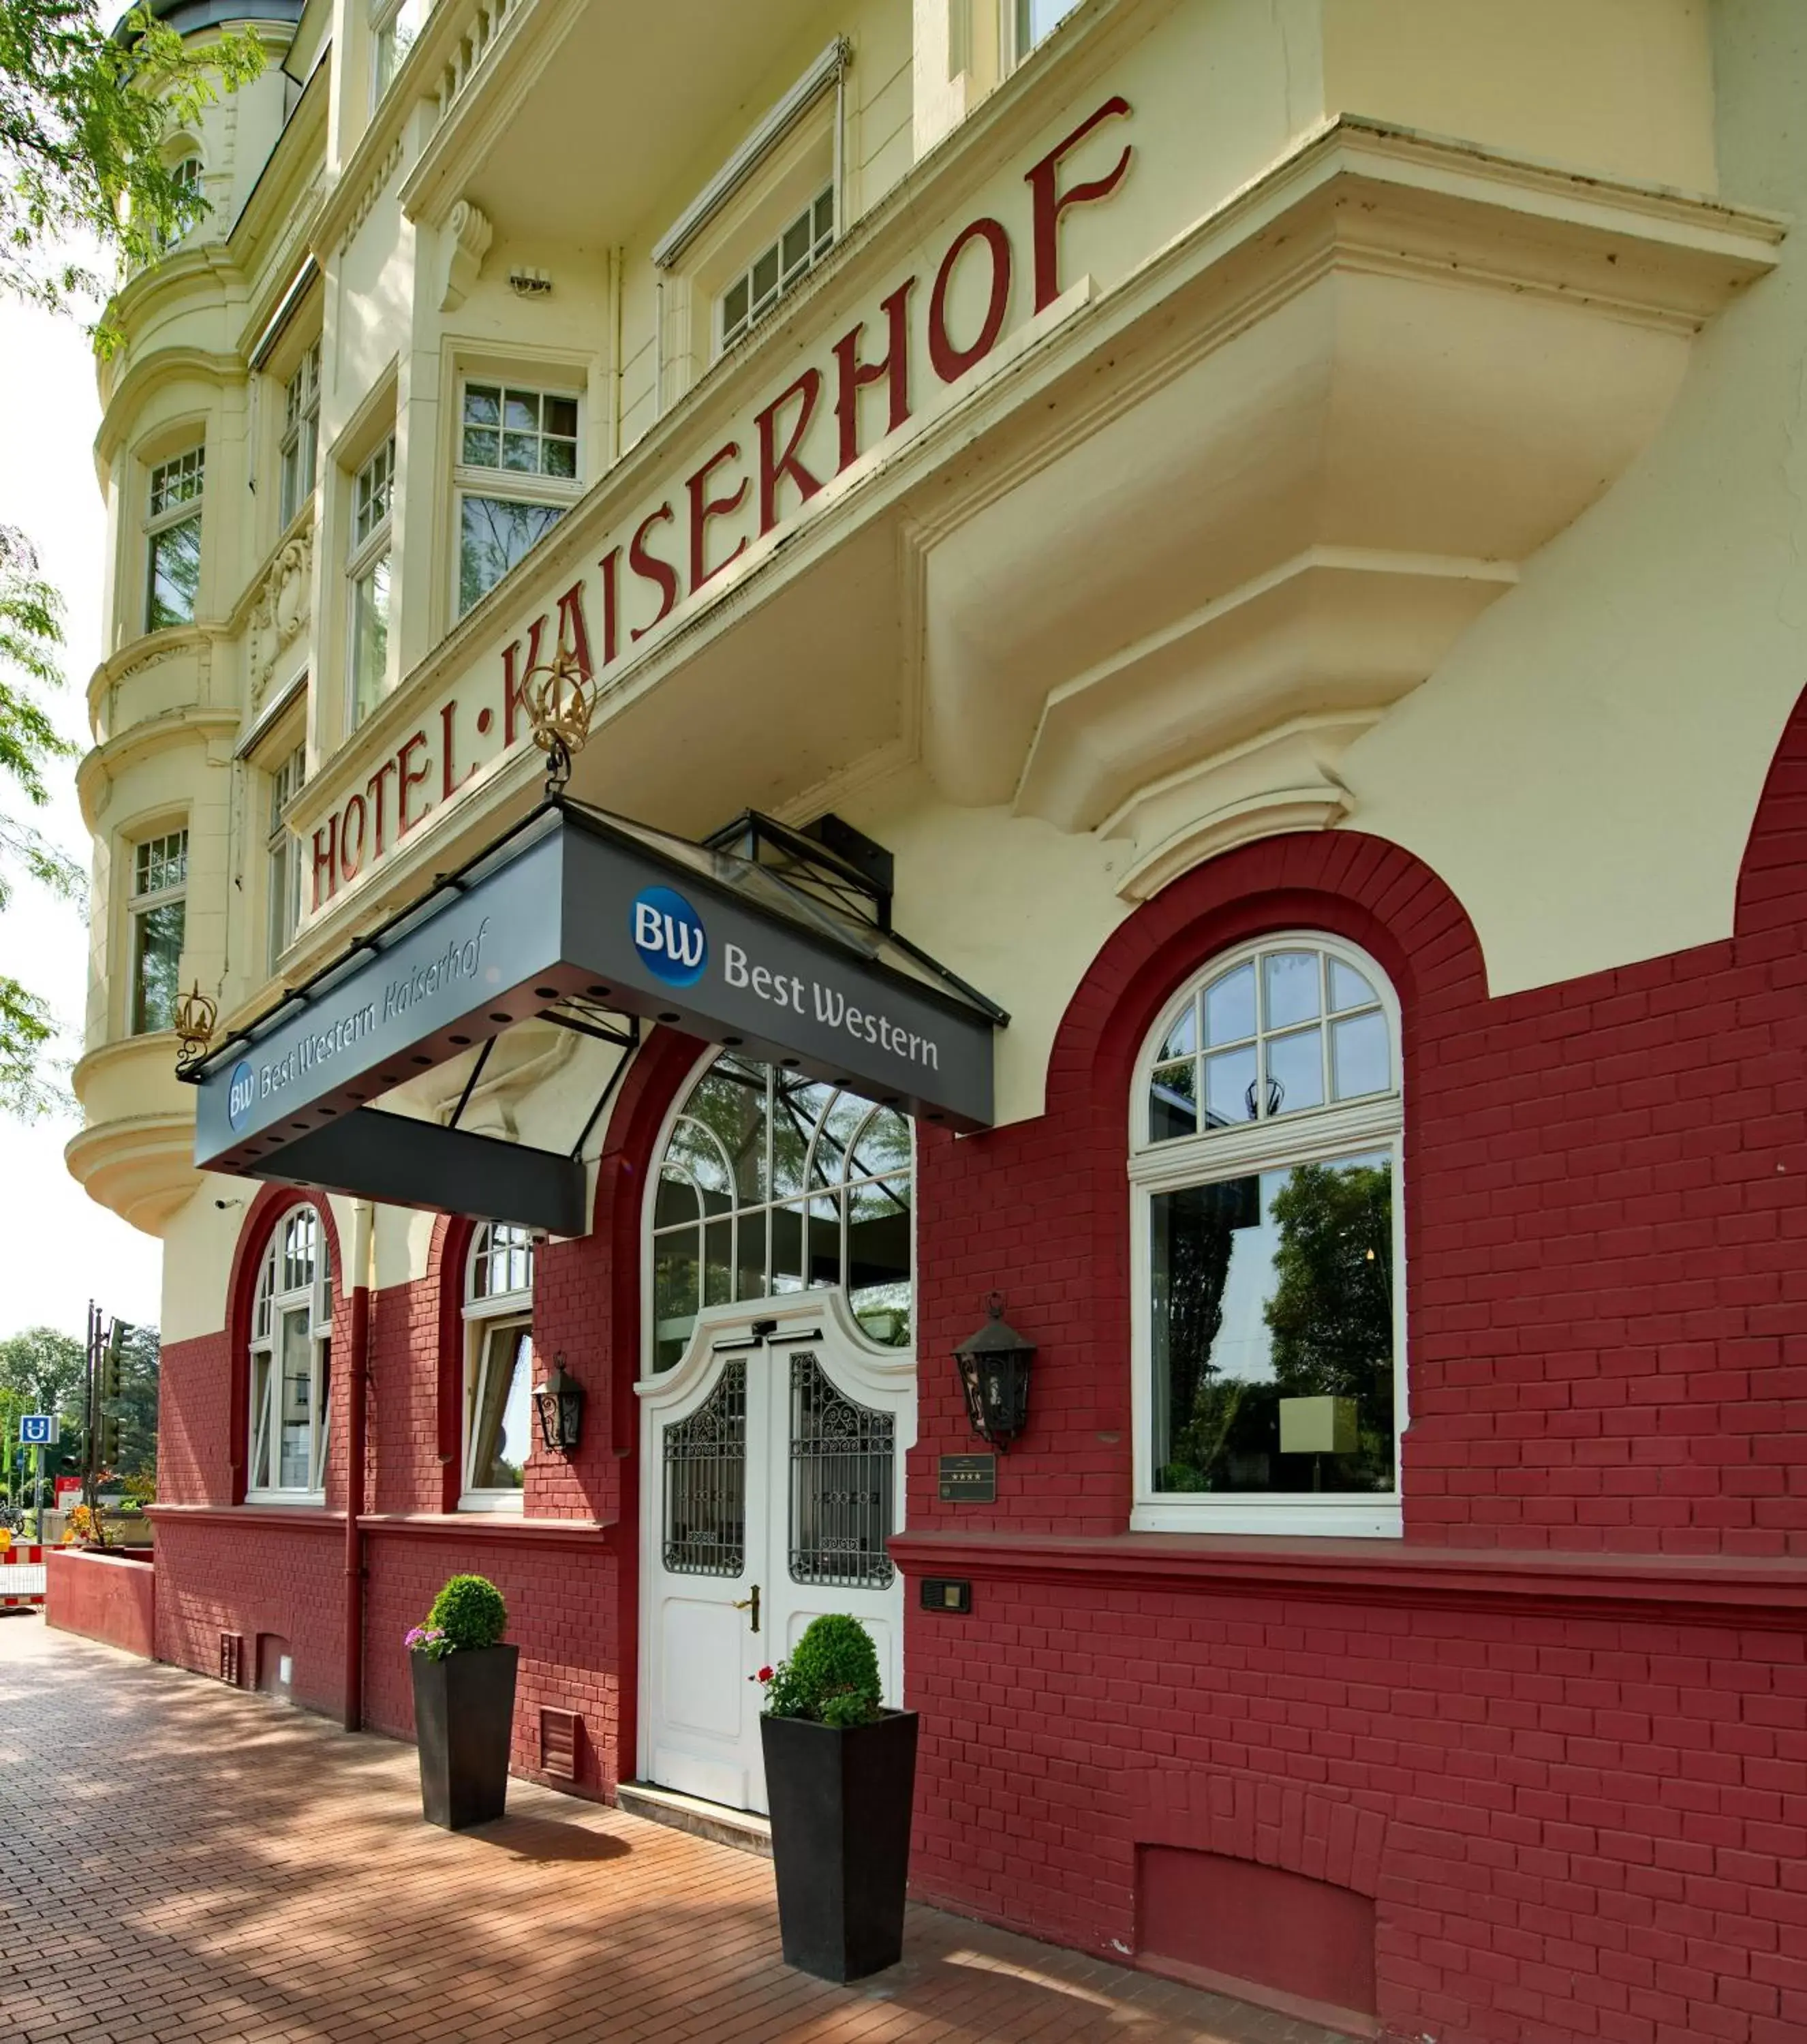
{"points": [[110, 1358], [109, 1441]]}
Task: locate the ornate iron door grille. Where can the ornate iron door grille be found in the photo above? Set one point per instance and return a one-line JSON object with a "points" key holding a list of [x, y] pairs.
{"points": [[841, 1474], [705, 1483]]}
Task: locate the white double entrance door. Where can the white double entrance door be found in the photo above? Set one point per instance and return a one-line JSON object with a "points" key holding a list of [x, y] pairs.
{"points": [[772, 1470]]}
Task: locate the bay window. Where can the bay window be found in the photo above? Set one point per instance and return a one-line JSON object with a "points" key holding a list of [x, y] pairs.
{"points": [[498, 1367], [291, 1363], [301, 435], [517, 473], [1035, 19], [393, 28], [372, 502], [157, 912], [775, 270], [284, 853], [173, 539], [1264, 1170]]}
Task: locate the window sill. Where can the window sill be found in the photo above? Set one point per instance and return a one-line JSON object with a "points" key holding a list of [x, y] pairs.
{"points": [[1661, 1588], [308, 1513], [496, 1504], [506, 1525], [1346, 1519]]}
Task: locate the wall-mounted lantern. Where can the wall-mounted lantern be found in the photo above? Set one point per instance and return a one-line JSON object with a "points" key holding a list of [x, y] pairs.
{"points": [[559, 1402], [994, 1366]]}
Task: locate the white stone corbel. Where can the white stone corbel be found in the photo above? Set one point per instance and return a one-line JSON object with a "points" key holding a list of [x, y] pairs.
{"points": [[468, 234]]}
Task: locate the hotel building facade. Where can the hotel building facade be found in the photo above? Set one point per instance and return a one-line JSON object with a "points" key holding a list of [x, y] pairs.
{"points": [[1186, 619]]}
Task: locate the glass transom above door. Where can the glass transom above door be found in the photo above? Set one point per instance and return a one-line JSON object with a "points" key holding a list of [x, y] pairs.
{"points": [[772, 1184]]}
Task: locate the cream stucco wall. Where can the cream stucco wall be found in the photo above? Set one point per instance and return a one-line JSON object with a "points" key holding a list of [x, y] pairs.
{"points": [[1584, 766], [1578, 753]]}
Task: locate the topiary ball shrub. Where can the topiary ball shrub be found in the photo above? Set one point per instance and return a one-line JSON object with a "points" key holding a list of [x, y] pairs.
{"points": [[469, 1613], [832, 1676]]}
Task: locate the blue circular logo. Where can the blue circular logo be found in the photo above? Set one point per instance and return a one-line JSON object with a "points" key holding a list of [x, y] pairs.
{"points": [[241, 1094], [669, 936]]}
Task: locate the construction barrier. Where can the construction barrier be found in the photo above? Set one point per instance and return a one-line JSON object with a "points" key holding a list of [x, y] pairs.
{"points": [[21, 1576]]}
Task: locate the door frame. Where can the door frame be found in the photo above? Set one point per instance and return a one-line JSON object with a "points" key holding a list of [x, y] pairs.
{"points": [[887, 1374]]}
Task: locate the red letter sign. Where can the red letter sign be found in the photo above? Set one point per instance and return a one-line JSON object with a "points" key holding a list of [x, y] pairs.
{"points": [[1050, 201], [952, 363]]}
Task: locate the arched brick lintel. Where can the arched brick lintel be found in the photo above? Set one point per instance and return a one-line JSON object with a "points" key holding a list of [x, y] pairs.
{"points": [[1280, 1824], [1362, 889], [1775, 853]]}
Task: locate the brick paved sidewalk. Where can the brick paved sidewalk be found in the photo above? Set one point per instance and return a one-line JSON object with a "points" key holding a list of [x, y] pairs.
{"points": [[181, 1861]]}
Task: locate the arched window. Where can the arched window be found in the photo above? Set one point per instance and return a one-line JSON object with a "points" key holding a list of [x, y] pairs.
{"points": [[1264, 1171], [772, 1183], [498, 1366], [186, 169], [291, 1328]]}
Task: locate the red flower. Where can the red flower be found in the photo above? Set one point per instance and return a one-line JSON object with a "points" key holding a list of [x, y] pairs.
{"points": [[764, 1675]]}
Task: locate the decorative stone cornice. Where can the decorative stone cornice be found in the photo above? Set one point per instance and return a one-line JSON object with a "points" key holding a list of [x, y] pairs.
{"points": [[210, 730], [147, 375]]}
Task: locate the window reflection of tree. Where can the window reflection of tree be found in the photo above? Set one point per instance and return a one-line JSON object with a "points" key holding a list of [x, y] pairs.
{"points": [[1328, 1315], [772, 1183], [1198, 1225]]}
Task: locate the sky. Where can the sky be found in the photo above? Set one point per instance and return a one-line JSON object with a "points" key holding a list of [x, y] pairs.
{"points": [[57, 1248]]}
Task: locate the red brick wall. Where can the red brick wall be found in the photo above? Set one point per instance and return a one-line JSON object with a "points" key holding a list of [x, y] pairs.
{"points": [[573, 1607], [1572, 1829], [562, 1603], [215, 1576], [1578, 1826], [1575, 1822], [1606, 1201], [195, 1441]]}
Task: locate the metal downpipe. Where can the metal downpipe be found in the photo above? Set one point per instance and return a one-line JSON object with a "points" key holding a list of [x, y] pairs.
{"points": [[362, 1272]]}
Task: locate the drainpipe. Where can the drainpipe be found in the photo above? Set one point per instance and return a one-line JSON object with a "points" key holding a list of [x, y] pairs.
{"points": [[362, 1271]]}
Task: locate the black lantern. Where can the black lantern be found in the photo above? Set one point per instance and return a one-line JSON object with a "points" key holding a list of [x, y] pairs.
{"points": [[994, 1365], [559, 1403]]}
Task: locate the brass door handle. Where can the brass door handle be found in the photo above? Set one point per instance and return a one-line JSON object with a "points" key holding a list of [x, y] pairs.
{"points": [[750, 1603]]}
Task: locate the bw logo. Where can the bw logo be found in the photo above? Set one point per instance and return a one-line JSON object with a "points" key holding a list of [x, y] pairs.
{"points": [[669, 936]]}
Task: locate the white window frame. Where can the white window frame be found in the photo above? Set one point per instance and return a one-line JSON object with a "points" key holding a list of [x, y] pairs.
{"points": [[505, 486], [1018, 18], [487, 1313], [388, 53], [837, 1187], [286, 777], [276, 1299], [373, 486], [153, 860], [188, 171], [169, 480], [1321, 1134], [820, 247], [300, 437]]}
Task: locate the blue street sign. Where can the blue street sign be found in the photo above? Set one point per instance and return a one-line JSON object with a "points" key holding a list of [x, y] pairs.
{"points": [[38, 1429]]}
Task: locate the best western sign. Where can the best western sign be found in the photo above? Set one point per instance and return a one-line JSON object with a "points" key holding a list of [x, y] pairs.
{"points": [[865, 388], [572, 905]]}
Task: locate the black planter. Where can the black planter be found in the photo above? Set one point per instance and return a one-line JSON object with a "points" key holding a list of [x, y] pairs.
{"points": [[840, 1805], [463, 1713]]}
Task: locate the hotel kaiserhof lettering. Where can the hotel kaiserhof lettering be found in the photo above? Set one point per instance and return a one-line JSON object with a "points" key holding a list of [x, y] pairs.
{"points": [[639, 581]]}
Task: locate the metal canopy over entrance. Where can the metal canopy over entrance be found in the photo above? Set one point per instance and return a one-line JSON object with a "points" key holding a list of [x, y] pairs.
{"points": [[576, 917]]}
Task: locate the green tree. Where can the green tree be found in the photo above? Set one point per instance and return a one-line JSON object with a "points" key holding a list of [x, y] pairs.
{"points": [[31, 630], [84, 116], [1332, 1312], [43, 1371], [1331, 1315], [136, 1407]]}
